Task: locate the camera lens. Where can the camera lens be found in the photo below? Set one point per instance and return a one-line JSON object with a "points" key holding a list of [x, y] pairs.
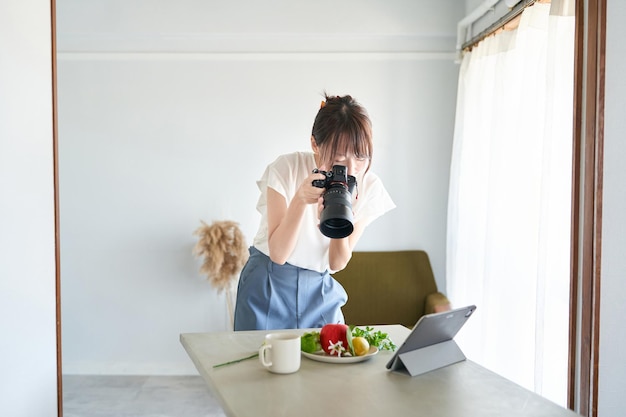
{"points": [[336, 218], [336, 228]]}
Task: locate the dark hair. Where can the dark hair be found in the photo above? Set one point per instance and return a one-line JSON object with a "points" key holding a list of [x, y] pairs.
{"points": [[342, 126]]}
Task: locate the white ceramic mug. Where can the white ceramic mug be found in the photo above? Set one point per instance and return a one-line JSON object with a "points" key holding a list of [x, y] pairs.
{"points": [[281, 353]]}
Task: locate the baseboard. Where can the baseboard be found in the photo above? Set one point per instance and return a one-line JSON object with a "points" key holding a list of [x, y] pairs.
{"points": [[128, 368]]}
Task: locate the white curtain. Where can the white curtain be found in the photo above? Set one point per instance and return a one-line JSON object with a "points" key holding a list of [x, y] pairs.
{"points": [[509, 202]]}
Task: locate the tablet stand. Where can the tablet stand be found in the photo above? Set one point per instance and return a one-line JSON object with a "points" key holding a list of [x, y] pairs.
{"points": [[428, 358]]}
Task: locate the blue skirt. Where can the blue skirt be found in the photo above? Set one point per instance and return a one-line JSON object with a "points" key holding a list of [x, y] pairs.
{"points": [[272, 296]]}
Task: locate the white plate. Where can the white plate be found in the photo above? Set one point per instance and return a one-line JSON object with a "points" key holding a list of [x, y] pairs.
{"points": [[322, 356]]}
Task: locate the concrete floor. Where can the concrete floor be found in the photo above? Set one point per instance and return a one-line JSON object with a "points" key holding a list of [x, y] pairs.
{"points": [[138, 396]]}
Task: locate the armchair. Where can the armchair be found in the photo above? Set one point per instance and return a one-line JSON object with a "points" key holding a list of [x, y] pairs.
{"points": [[390, 287]]}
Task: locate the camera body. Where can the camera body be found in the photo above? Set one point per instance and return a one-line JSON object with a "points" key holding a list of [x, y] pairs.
{"points": [[336, 220]]}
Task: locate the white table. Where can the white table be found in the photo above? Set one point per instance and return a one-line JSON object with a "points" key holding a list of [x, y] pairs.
{"points": [[361, 389]]}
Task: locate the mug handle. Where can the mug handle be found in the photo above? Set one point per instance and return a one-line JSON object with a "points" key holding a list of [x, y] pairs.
{"points": [[262, 350]]}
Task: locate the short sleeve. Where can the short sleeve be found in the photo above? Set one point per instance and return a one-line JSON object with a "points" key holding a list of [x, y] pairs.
{"points": [[280, 176], [372, 199]]}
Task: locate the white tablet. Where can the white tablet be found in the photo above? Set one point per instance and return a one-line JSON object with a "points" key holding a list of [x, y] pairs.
{"points": [[430, 344]]}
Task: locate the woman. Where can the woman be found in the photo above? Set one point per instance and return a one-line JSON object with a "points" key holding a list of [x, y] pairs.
{"points": [[286, 282]]}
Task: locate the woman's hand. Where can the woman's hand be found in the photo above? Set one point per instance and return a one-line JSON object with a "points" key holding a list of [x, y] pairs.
{"points": [[307, 192]]}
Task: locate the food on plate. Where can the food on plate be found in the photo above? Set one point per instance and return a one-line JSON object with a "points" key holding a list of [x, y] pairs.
{"points": [[360, 346], [342, 340], [310, 342], [374, 337], [336, 339]]}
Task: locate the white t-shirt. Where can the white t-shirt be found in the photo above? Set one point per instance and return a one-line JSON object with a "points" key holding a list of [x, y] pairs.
{"points": [[369, 201]]}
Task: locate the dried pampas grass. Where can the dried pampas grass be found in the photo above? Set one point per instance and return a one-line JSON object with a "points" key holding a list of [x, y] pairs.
{"points": [[224, 248]]}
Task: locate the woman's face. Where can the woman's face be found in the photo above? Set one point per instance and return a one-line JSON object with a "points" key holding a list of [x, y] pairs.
{"points": [[356, 164]]}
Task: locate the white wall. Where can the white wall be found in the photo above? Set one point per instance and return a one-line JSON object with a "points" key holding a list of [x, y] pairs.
{"points": [[612, 368], [168, 114], [28, 368]]}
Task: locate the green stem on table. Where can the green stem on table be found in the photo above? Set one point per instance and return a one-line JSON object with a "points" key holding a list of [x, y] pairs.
{"points": [[237, 360]]}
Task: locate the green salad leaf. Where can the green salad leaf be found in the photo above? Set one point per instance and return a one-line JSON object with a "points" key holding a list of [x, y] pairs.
{"points": [[310, 342], [349, 339], [374, 338]]}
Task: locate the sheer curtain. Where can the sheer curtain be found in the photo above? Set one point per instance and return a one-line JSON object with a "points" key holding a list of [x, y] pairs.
{"points": [[509, 201]]}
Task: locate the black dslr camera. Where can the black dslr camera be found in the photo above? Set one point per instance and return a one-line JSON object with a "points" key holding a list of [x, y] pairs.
{"points": [[336, 218]]}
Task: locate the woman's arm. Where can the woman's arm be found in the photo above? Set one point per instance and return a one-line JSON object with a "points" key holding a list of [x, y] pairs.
{"points": [[374, 205], [284, 221], [340, 250]]}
